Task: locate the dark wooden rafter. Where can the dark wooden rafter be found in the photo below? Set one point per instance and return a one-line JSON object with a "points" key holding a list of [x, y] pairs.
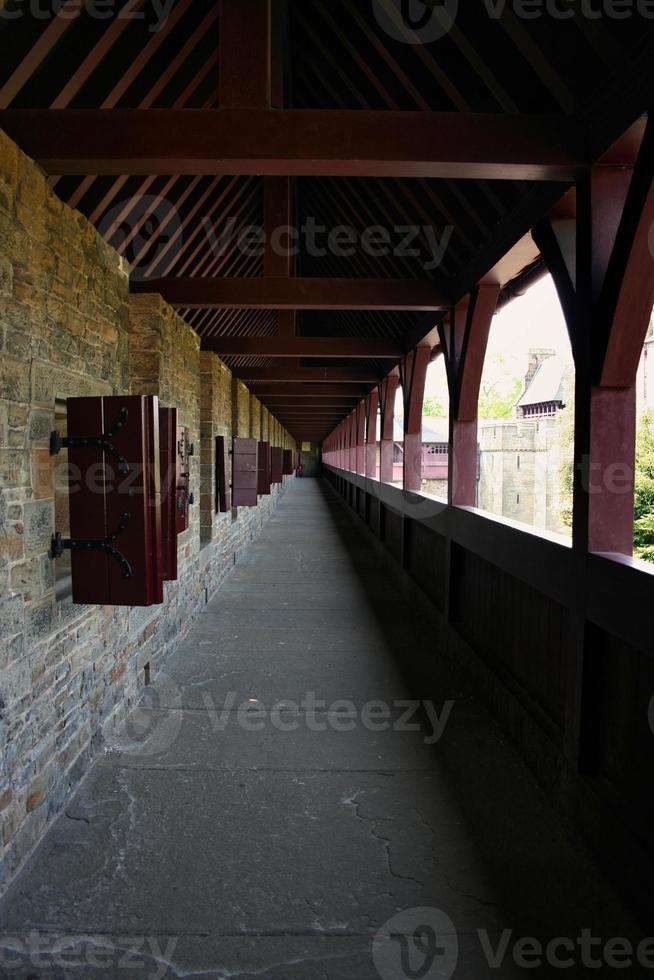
{"points": [[264, 389], [297, 294], [121, 86], [282, 346], [320, 375], [289, 142], [364, 113], [49, 39]]}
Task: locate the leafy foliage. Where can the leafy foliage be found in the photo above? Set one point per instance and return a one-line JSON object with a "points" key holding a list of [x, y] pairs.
{"points": [[644, 501], [433, 407], [500, 387], [566, 465]]}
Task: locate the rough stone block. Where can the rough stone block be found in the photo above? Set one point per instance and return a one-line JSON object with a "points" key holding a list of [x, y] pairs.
{"points": [[39, 526], [27, 578], [14, 379], [43, 472], [41, 425], [14, 468], [11, 616], [6, 277]]}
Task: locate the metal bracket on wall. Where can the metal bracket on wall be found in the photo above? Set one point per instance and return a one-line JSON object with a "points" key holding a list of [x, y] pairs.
{"points": [[59, 545], [103, 441]]}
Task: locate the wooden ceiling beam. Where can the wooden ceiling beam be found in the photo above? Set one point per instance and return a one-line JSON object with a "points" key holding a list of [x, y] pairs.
{"points": [[268, 390], [245, 54], [297, 294], [300, 142], [354, 347], [320, 375]]}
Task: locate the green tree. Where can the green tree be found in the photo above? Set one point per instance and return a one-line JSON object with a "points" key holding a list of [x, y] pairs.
{"points": [[500, 389], [433, 407], [644, 498]]}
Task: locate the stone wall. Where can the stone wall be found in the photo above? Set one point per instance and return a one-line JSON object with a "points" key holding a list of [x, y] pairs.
{"points": [[520, 471], [69, 674]]}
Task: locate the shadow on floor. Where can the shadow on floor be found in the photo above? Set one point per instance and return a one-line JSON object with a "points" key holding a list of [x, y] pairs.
{"points": [[278, 807]]}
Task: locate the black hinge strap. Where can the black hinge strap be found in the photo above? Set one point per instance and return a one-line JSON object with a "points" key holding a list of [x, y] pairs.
{"points": [[59, 545], [59, 442]]}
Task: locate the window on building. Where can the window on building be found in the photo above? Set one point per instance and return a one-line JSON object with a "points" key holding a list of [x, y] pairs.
{"points": [[526, 414]]}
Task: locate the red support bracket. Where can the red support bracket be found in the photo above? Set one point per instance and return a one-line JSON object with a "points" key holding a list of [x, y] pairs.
{"points": [[413, 374], [464, 339], [387, 393], [361, 438], [372, 407], [607, 300]]}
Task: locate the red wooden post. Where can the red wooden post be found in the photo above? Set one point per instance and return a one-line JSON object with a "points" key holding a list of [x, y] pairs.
{"points": [[613, 283], [387, 392], [413, 374], [352, 455], [372, 407], [360, 422], [470, 324]]}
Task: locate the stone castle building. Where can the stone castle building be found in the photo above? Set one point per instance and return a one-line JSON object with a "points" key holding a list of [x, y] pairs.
{"points": [[521, 460]]}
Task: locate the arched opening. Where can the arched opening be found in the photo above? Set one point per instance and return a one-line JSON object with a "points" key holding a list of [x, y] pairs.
{"points": [[644, 483], [435, 430], [398, 437], [526, 414]]}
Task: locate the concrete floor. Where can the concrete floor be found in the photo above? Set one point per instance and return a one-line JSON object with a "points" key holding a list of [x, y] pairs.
{"points": [[219, 838]]}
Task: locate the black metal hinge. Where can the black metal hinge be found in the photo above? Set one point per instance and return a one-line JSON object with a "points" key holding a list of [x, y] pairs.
{"points": [[59, 545], [103, 441]]}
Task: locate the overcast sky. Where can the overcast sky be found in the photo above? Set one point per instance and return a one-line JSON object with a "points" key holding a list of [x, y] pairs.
{"points": [[532, 320]]}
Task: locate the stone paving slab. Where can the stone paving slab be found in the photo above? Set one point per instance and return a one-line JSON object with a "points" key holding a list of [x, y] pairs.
{"points": [[214, 957], [289, 855]]}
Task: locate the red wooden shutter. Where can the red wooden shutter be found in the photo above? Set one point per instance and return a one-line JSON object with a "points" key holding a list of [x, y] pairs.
{"points": [[223, 476], [245, 473], [288, 462], [115, 505], [276, 464], [264, 469], [168, 457]]}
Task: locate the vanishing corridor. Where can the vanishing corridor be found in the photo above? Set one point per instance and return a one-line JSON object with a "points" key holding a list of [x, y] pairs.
{"points": [[211, 841]]}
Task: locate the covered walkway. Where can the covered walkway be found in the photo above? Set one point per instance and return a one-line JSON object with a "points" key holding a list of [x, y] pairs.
{"points": [[278, 841]]}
